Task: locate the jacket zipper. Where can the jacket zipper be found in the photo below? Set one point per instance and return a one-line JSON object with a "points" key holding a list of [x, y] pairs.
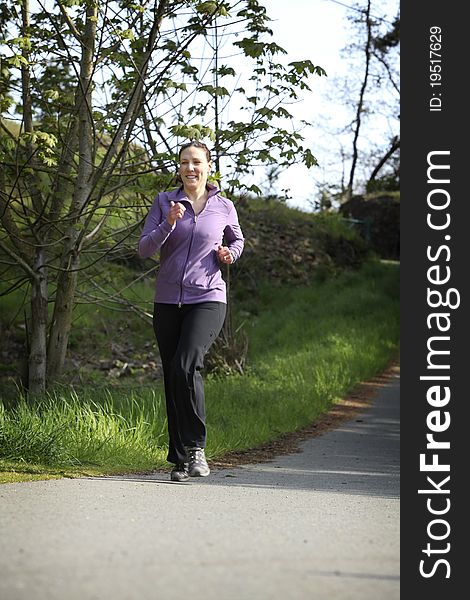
{"points": [[186, 262]]}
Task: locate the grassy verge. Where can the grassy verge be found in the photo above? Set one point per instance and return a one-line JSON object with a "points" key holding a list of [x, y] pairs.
{"points": [[308, 347]]}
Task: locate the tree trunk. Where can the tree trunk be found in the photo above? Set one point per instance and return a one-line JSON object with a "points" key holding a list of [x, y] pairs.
{"points": [[61, 320], [87, 180], [37, 359], [70, 261], [394, 145], [360, 103], [38, 341]]}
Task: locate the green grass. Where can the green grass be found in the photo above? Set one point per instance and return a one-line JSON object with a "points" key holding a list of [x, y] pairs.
{"points": [[308, 347], [80, 433]]}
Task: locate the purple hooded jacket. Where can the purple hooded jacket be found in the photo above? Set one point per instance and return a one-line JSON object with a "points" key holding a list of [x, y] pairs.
{"points": [[189, 268]]}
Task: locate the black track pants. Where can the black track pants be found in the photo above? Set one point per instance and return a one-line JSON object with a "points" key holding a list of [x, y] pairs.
{"points": [[184, 335]]}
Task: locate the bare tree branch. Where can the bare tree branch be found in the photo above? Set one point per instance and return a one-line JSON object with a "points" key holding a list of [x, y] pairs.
{"points": [[395, 144], [69, 22], [360, 103], [22, 263]]}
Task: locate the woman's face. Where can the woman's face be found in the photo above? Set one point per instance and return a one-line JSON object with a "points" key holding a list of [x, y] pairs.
{"points": [[194, 168]]}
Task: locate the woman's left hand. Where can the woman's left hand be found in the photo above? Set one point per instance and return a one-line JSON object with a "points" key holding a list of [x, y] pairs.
{"points": [[224, 255]]}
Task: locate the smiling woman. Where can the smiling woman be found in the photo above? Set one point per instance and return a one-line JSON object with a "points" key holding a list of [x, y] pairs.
{"points": [[194, 168], [189, 226]]}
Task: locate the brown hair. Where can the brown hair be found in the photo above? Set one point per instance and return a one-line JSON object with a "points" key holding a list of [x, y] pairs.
{"points": [[196, 144]]}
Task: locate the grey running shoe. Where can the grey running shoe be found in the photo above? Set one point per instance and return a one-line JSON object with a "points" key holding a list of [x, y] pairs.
{"points": [[180, 472], [198, 466]]}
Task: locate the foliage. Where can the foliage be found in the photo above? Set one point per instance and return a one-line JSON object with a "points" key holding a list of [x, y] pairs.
{"points": [[388, 182], [288, 246], [377, 216]]}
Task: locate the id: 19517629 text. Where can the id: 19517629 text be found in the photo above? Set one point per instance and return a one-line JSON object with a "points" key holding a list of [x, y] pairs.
{"points": [[435, 68]]}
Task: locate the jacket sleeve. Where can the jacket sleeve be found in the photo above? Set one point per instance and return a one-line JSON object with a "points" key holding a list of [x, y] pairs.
{"points": [[233, 234], [155, 231]]}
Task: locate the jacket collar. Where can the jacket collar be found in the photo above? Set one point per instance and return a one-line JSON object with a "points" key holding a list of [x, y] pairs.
{"points": [[213, 191]]}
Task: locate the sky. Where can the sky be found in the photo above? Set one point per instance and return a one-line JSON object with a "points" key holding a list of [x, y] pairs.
{"points": [[317, 30]]}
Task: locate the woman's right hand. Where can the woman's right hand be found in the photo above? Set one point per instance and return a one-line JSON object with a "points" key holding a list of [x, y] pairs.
{"points": [[176, 212]]}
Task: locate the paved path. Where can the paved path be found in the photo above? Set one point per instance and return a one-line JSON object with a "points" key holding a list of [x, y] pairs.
{"points": [[322, 524]]}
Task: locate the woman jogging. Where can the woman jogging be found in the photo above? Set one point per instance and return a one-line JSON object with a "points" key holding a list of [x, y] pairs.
{"points": [[195, 229]]}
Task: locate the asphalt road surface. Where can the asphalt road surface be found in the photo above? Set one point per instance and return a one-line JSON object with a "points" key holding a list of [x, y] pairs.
{"points": [[319, 524]]}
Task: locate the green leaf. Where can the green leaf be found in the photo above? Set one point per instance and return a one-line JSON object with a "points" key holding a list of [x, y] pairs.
{"points": [[21, 42], [189, 70], [254, 188], [207, 8], [215, 90], [224, 70], [309, 159], [265, 111], [265, 156], [52, 94], [125, 34], [251, 47], [276, 139], [170, 84], [213, 8], [7, 143], [137, 7], [306, 67], [193, 132], [17, 61], [274, 48]]}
